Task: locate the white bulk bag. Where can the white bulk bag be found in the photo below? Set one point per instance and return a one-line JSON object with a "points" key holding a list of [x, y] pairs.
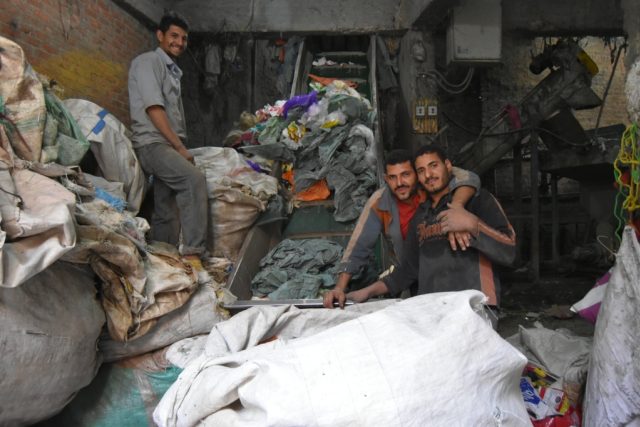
{"points": [[111, 147], [43, 230], [50, 326], [612, 397], [428, 360]]}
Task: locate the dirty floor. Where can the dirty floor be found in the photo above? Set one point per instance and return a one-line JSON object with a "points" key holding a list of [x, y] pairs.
{"points": [[546, 301]]}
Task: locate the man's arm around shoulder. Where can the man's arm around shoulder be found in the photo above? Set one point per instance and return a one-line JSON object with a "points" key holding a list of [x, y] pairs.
{"points": [[492, 233]]}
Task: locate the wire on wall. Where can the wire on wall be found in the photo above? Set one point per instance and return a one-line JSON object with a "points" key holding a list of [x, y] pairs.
{"points": [[446, 85]]}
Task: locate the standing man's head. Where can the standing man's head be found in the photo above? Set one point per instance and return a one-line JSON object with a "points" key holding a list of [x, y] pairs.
{"points": [[399, 174], [434, 170], [172, 34]]}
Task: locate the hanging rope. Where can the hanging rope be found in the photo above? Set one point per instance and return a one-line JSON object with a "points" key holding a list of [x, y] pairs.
{"points": [[626, 170]]}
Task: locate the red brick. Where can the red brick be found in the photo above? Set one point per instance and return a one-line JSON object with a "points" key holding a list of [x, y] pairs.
{"points": [[92, 23]]}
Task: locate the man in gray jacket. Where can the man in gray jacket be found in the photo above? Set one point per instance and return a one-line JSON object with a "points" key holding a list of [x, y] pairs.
{"points": [[389, 211], [159, 132], [428, 258]]}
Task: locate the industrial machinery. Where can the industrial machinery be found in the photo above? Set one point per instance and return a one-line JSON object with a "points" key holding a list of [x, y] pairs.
{"points": [[566, 87]]}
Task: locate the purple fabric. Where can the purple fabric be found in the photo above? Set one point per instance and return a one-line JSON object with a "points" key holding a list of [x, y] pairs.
{"points": [[304, 101], [604, 279], [591, 313], [256, 167]]}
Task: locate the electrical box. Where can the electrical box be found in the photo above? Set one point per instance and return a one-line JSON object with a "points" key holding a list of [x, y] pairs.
{"points": [[425, 115], [474, 35]]}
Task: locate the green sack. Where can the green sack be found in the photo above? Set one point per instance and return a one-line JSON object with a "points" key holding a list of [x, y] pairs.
{"points": [[119, 396], [71, 142]]}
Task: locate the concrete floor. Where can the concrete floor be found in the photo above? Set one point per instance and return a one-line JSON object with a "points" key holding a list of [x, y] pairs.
{"points": [[524, 302]]}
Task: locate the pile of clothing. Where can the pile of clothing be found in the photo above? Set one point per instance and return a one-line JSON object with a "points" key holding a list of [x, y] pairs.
{"points": [[297, 269], [326, 135]]}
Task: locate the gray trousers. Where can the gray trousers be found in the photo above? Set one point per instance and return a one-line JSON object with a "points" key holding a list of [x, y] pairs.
{"points": [[180, 198]]}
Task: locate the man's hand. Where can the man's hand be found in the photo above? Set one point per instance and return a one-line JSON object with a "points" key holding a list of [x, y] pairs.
{"points": [[332, 296], [186, 154], [460, 239], [456, 219], [159, 118]]}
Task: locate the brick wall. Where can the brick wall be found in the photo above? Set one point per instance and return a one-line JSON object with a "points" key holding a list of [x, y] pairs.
{"points": [[85, 45]]}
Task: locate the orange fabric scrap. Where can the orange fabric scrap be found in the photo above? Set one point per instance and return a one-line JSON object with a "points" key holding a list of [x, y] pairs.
{"points": [[318, 191]]}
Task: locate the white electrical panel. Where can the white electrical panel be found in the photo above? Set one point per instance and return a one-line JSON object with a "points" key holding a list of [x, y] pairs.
{"points": [[474, 35]]}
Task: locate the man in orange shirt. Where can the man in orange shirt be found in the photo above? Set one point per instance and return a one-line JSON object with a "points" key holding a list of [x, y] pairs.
{"points": [[389, 211]]}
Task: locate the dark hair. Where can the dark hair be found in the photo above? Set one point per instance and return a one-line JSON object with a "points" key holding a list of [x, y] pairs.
{"points": [[172, 18], [397, 156], [431, 149]]}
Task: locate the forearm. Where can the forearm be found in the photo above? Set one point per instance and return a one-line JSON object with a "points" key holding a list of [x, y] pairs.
{"points": [[159, 118], [497, 245], [462, 195], [343, 281], [362, 242], [373, 290]]}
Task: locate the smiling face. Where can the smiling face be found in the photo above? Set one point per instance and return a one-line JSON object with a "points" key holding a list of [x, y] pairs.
{"points": [[173, 41], [401, 179], [434, 174]]}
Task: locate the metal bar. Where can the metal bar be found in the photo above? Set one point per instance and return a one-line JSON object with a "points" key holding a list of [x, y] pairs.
{"points": [[517, 199], [300, 303], [535, 208], [555, 219], [251, 84], [298, 74]]}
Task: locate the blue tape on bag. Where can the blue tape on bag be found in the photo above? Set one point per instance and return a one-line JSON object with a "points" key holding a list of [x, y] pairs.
{"points": [[101, 124]]}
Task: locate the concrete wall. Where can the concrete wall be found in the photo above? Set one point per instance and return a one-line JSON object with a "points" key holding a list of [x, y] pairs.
{"points": [[304, 16], [563, 17], [86, 46]]}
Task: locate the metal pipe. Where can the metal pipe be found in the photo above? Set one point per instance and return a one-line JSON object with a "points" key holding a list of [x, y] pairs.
{"points": [[555, 219], [517, 199], [535, 208]]}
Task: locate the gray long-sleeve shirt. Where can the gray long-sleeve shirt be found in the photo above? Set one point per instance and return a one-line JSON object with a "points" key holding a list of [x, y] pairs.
{"points": [[430, 260]]}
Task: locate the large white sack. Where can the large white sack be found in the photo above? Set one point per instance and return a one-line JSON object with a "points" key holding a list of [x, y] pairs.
{"points": [[612, 397], [50, 326], [22, 99], [250, 327], [237, 194], [44, 230], [197, 316], [428, 360], [111, 147], [225, 168], [632, 91]]}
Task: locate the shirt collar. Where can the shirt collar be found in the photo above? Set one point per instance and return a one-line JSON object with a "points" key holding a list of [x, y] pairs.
{"points": [[171, 65], [442, 203]]}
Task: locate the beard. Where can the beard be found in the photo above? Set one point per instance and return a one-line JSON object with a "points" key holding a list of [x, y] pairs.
{"points": [[436, 186]]}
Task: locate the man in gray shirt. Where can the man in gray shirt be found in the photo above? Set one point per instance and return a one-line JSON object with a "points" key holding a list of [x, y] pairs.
{"points": [[159, 132]]}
